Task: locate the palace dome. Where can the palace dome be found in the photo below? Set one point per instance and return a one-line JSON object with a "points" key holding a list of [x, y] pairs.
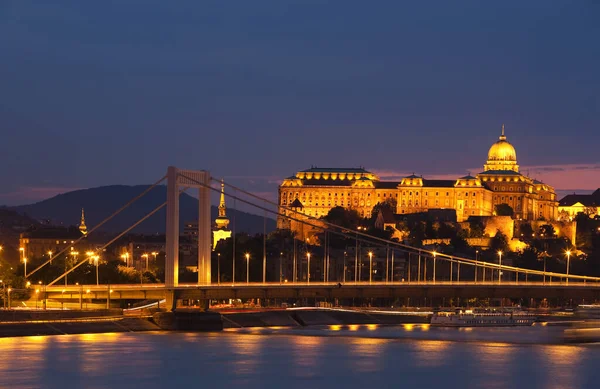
{"points": [[502, 156], [502, 150]]}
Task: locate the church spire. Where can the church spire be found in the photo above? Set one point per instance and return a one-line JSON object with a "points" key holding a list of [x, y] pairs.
{"points": [[82, 226], [222, 221], [222, 207]]}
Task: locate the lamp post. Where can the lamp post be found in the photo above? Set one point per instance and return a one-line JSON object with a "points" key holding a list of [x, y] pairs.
{"points": [[500, 268], [25, 267], [125, 257], [434, 256], [145, 256], [218, 268], [476, 266], [568, 263], [247, 268], [280, 267], [50, 255], [97, 262], [3, 294], [74, 254], [344, 276], [308, 268], [370, 266]]}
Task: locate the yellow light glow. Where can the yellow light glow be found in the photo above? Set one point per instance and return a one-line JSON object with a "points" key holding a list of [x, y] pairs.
{"points": [[335, 327], [408, 327], [353, 327], [372, 327]]}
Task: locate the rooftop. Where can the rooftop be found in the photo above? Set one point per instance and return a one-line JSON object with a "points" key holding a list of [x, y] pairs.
{"points": [[335, 170], [502, 172]]}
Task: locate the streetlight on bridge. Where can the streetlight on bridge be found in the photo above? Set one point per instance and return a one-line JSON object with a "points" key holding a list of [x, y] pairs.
{"points": [[434, 256], [218, 268], [247, 268], [500, 268], [96, 262], [568, 263], [370, 266], [308, 268]]}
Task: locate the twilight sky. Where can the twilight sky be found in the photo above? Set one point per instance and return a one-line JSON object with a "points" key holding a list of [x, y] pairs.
{"points": [[112, 92]]}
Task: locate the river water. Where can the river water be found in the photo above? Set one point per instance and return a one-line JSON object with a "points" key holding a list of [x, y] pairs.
{"points": [[349, 357]]}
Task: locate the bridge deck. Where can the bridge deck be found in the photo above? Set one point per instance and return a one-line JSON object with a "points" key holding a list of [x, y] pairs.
{"points": [[579, 290]]}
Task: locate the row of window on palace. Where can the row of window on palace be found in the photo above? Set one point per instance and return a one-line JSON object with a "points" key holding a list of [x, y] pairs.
{"points": [[290, 195]]}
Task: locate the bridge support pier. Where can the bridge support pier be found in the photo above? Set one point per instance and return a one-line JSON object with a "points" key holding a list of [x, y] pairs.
{"points": [[171, 300]]}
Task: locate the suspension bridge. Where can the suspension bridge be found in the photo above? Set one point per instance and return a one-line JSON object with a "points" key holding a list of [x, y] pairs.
{"points": [[426, 274]]}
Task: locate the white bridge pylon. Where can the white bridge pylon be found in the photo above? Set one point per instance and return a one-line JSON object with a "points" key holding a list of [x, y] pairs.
{"points": [[190, 179]]}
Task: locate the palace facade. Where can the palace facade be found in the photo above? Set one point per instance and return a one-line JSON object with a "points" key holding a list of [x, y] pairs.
{"points": [[314, 191]]}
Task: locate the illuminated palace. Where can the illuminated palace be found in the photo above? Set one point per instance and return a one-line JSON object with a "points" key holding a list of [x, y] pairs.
{"points": [[316, 190]]}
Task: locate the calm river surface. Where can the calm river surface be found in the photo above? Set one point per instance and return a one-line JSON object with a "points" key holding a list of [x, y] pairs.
{"points": [[349, 357]]}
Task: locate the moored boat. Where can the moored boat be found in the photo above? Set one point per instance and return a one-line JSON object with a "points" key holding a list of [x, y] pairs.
{"points": [[470, 318]]}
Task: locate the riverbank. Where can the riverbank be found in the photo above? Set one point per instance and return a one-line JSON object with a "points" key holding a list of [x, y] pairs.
{"points": [[31, 323], [76, 326], [317, 316]]}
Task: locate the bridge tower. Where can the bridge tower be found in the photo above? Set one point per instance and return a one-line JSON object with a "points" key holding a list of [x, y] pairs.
{"points": [[200, 179]]}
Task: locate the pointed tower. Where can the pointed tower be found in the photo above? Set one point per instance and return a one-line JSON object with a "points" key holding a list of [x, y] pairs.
{"points": [[82, 226], [221, 222]]}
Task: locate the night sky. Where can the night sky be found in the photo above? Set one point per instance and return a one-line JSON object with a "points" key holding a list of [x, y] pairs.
{"points": [[112, 92]]}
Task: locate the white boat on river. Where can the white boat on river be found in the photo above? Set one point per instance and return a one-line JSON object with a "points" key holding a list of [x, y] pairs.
{"points": [[470, 318]]}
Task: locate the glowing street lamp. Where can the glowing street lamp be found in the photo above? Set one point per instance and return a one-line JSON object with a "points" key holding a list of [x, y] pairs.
{"points": [[218, 267], [434, 257], [25, 267], [96, 262], [500, 263], [247, 268], [50, 255], [370, 266], [308, 268], [145, 256], [74, 254], [125, 257], [568, 252], [476, 265]]}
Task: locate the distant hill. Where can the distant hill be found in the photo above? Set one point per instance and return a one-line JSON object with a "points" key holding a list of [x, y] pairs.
{"points": [[101, 202]]}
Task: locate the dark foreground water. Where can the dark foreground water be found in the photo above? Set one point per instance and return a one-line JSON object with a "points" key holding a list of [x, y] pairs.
{"points": [[330, 357]]}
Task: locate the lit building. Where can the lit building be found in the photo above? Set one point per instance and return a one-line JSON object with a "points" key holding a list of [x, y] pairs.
{"points": [[38, 242], [221, 222], [313, 192], [570, 205]]}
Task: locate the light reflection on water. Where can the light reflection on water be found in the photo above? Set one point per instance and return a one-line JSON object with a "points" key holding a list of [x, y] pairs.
{"points": [[313, 358]]}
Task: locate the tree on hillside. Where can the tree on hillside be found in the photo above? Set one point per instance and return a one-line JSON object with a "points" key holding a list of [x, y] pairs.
{"points": [[526, 230], [390, 203], [499, 242], [547, 231], [347, 218], [503, 210]]}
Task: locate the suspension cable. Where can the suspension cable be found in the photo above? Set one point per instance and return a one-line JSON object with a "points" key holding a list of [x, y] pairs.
{"points": [[115, 238], [430, 253], [133, 200]]}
